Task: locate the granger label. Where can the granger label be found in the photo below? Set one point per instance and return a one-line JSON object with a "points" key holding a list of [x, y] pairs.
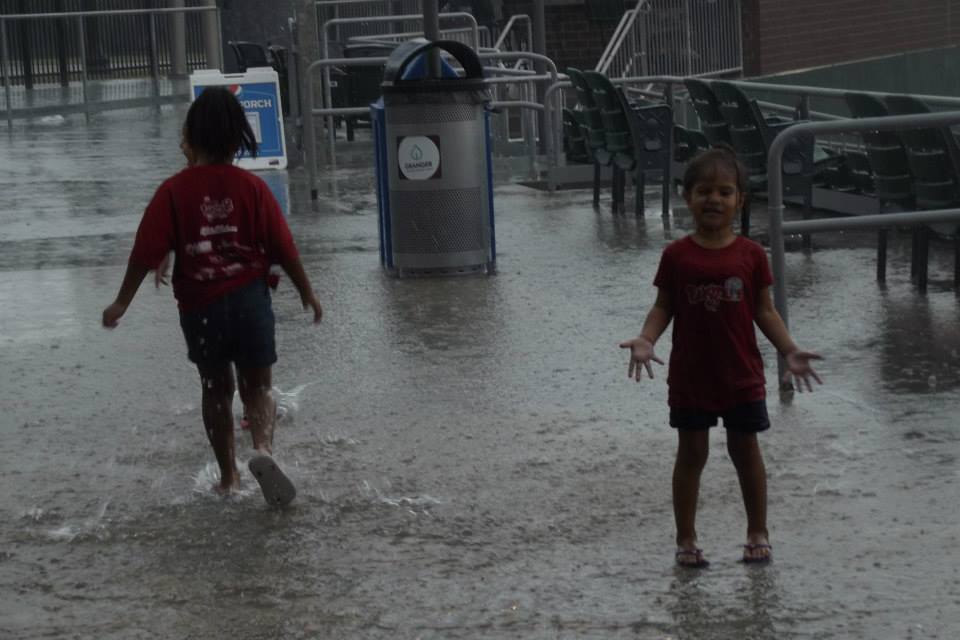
{"points": [[418, 157]]}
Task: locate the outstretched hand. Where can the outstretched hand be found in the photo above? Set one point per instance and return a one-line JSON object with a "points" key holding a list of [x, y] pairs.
{"points": [[800, 369], [641, 353]]}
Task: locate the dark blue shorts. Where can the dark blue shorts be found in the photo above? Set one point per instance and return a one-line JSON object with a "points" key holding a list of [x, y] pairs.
{"points": [[238, 328], [745, 418]]}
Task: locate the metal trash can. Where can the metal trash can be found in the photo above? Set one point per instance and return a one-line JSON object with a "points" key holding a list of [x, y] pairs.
{"points": [[434, 150]]}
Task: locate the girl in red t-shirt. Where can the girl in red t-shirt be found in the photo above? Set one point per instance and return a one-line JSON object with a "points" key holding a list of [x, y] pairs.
{"points": [[714, 285], [225, 229]]}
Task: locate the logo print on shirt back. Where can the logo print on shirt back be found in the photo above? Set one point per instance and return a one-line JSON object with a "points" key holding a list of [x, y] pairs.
{"points": [[213, 210]]}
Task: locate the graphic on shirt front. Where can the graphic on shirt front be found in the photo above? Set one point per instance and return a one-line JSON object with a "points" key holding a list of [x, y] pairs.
{"points": [[711, 295]]}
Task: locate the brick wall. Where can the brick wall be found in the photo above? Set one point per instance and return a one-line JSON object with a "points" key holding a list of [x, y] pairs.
{"points": [[783, 35]]}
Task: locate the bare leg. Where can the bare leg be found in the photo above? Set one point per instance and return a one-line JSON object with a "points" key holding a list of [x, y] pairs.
{"points": [[217, 403], [692, 451], [255, 386], [744, 450]]}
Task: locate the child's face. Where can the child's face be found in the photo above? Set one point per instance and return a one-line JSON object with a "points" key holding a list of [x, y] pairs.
{"points": [[715, 199]]}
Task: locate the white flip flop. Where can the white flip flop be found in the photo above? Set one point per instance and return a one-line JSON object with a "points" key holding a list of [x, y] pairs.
{"points": [[275, 485]]}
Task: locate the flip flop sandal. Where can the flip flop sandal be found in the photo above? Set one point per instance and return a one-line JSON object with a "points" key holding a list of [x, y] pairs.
{"points": [[759, 546], [276, 486], [691, 558]]}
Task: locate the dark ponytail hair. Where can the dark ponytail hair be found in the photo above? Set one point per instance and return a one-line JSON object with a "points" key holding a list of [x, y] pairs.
{"points": [[217, 126], [720, 155]]}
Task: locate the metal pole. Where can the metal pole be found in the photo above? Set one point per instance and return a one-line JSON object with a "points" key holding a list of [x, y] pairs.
{"points": [[154, 57], [211, 35], [82, 36], [310, 135], [294, 73], [62, 59], [326, 99], [688, 51], [4, 67], [540, 47], [178, 41], [431, 31]]}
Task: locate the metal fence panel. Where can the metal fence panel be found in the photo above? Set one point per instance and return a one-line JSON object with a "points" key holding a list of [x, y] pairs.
{"points": [[46, 50]]}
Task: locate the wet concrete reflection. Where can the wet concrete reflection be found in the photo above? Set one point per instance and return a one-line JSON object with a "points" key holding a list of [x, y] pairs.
{"points": [[471, 460]]}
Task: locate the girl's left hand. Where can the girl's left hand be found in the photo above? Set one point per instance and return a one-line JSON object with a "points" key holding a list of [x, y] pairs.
{"points": [[798, 363], [163, 271]]}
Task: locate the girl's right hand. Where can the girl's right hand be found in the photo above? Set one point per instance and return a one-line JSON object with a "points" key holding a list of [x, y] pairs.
{"points": [[641, 353], [112, 314]]}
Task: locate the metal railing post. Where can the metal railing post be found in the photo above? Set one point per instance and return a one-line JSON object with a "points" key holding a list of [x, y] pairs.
{"points": [[4, 67], [212, 45], [178, 41], [154, 57], [689, 36], [310, 134], [82, 35]]}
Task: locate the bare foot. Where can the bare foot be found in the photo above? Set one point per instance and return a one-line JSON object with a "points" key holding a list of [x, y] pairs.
{"points": [[227, 486]]}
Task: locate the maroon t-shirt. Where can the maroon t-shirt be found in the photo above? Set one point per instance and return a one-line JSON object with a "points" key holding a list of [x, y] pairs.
{"points": [[715, 363], [224, 225]]}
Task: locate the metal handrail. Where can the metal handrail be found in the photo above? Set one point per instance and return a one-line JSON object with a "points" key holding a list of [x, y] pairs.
{"points": [[338, 3], [509, 26], [462, 15], [775, 204], [396, 38], [325, 47], [616, 40], [825, 92], [92, 14], [619, 35]]}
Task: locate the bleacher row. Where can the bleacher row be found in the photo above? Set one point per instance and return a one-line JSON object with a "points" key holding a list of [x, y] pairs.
{"points": [[908, 170]]}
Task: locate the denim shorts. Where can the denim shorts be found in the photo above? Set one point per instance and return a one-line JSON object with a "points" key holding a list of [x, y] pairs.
{"points": [[238, 327], [745, 418]]}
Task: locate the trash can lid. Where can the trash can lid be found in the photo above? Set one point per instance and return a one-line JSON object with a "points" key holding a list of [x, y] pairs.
{"points": [[402, 65]]}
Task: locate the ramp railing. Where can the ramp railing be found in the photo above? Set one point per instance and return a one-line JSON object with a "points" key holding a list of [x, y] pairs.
{"points": [[676, 37]]}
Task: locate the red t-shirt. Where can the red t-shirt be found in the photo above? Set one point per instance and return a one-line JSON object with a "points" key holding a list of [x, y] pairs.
{"points": [[224, 225], [715, 363]]}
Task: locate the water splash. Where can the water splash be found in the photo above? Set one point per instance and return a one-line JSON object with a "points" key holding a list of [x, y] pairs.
{"points": [[92, 526], [415, 503]]}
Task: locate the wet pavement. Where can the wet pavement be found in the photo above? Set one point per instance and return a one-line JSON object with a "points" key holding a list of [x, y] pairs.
{"points": [[472, 461]]}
